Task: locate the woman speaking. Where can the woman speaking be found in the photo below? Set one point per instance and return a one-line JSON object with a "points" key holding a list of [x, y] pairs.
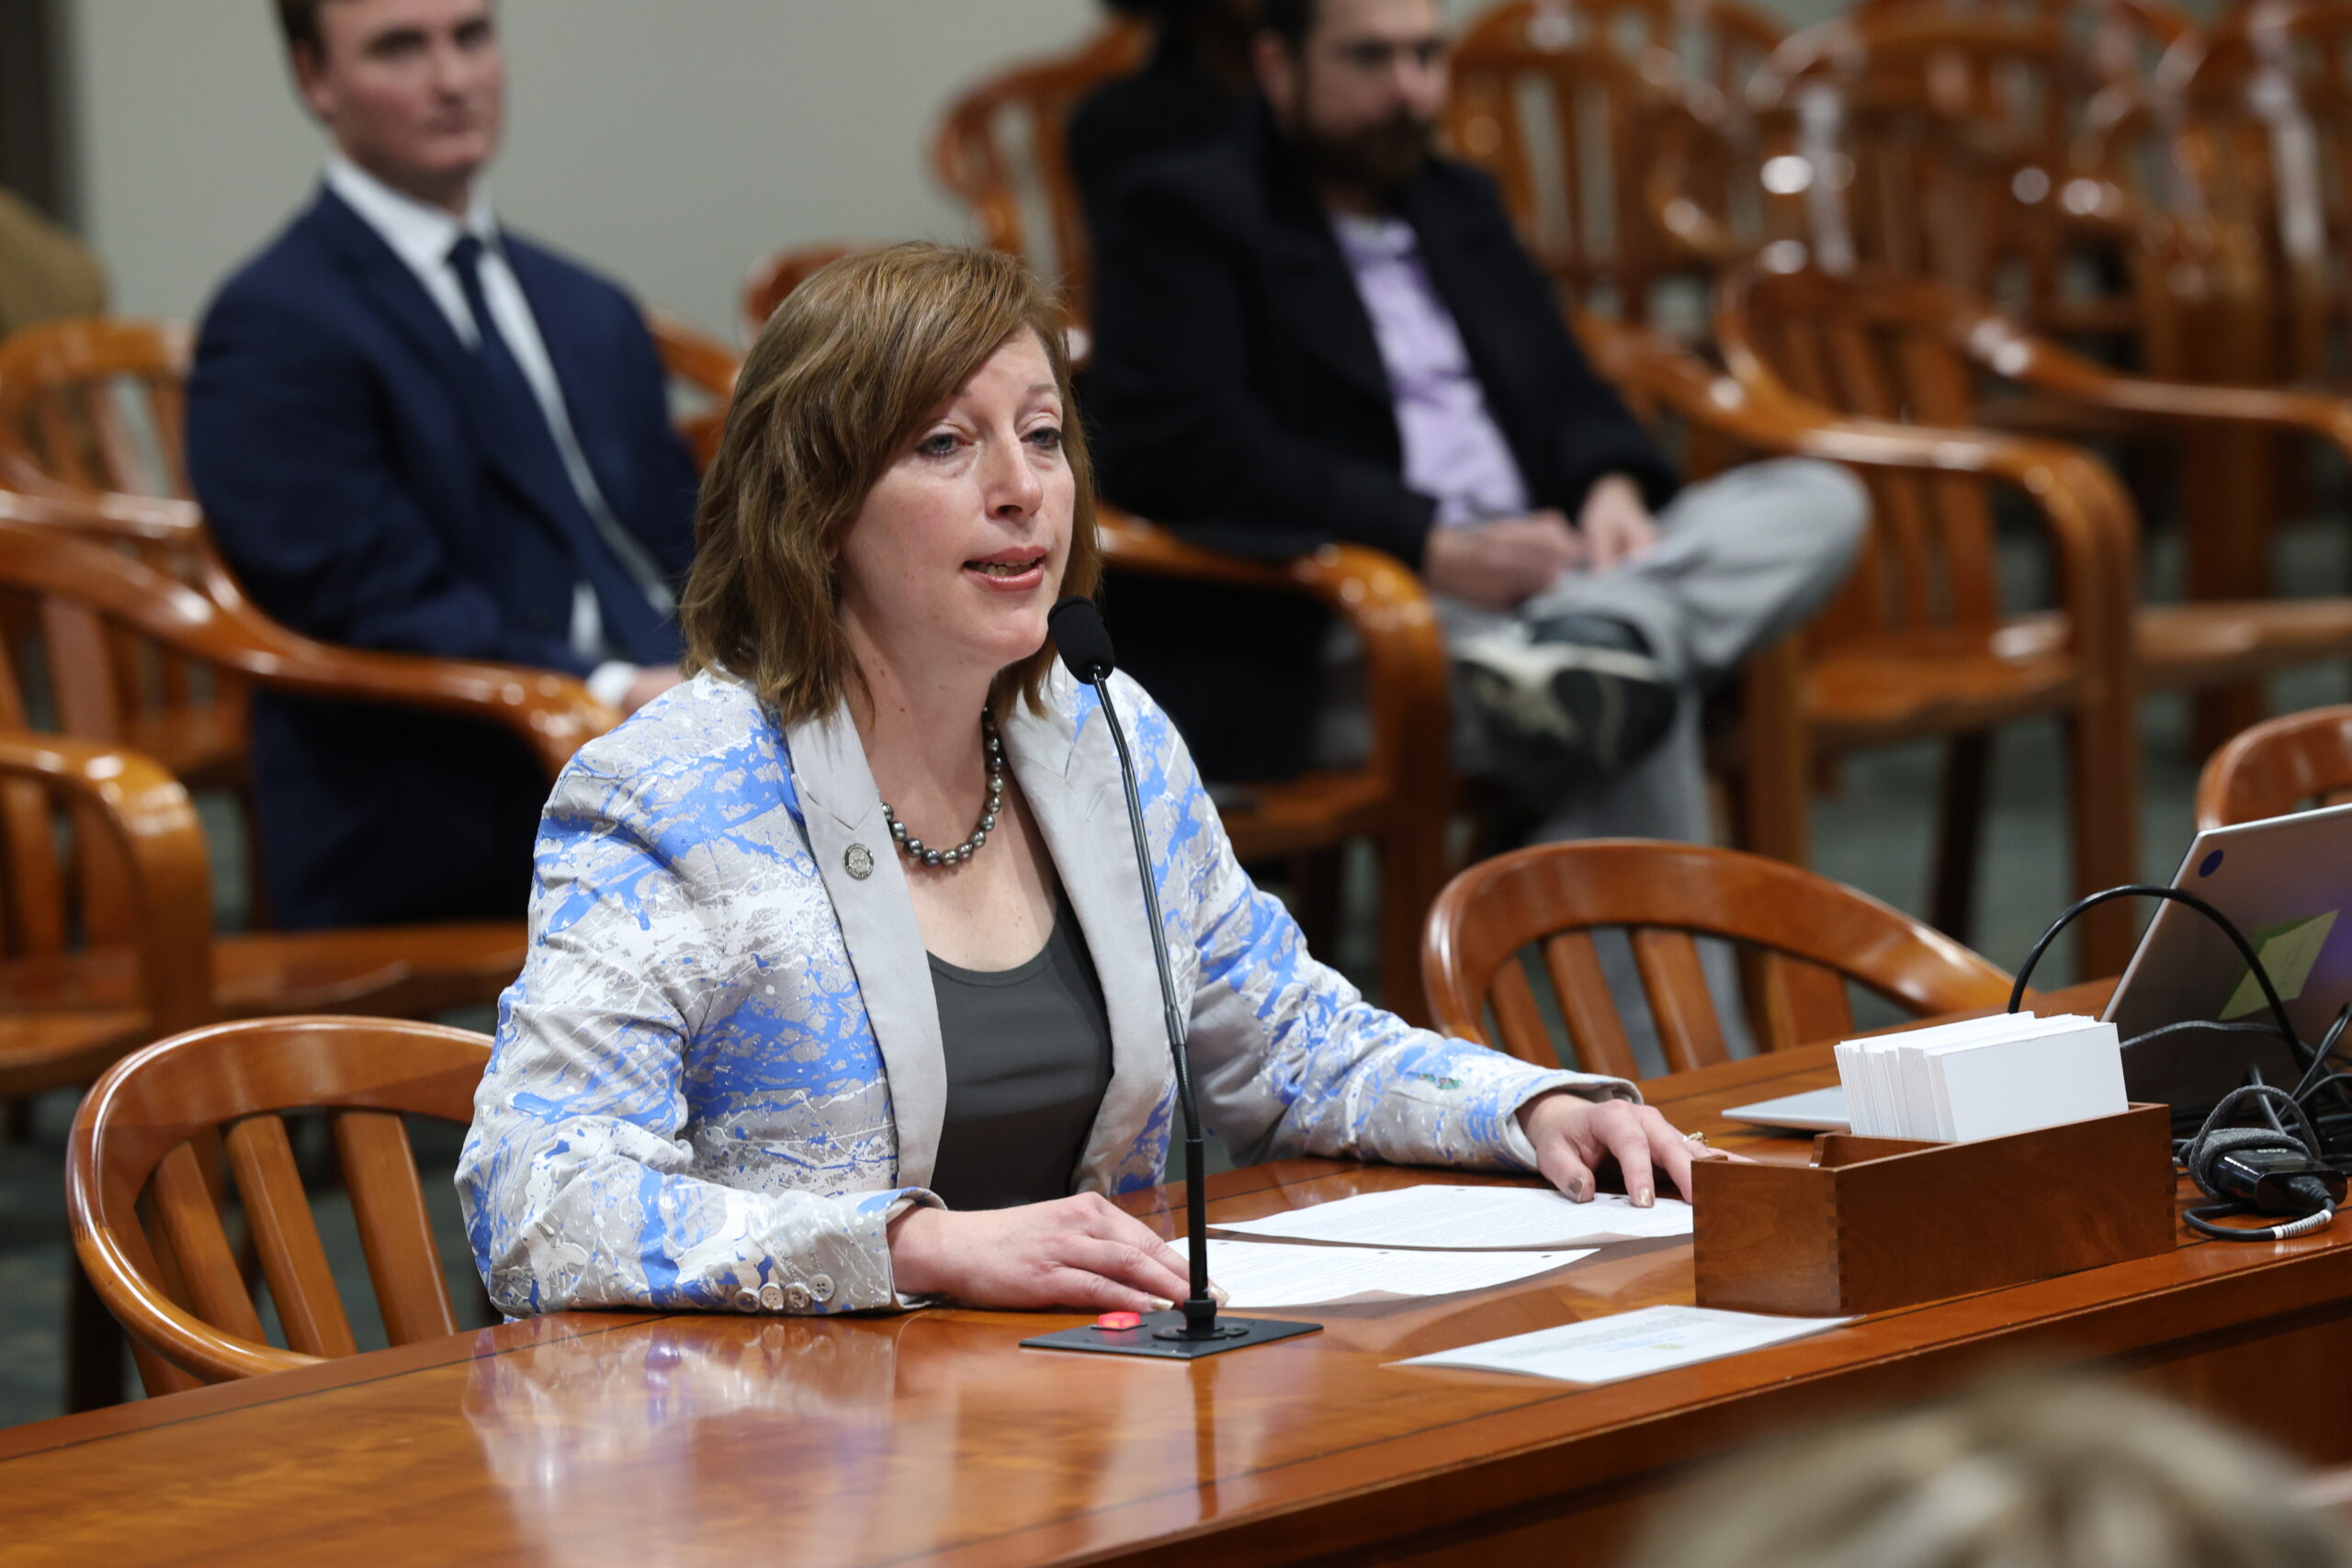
{"points": [[839, 992]]}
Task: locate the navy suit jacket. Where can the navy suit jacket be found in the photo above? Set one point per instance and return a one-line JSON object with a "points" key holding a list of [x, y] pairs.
{"points": [[337, 444]]}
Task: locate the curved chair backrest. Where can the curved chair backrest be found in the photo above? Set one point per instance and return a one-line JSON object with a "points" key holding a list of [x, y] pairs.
{"points": [[1718, 42], [771, 280], [1002, 149], [1875, 345], [1927, 139], [2284, 765], [99, 404], [1803, 937], [2260, 138], [2118, 38], [154, 1128], [95, 403], [1572, 134]]}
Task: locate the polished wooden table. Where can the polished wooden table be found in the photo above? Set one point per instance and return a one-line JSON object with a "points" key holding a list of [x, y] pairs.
{"points": [[642, 1437]]}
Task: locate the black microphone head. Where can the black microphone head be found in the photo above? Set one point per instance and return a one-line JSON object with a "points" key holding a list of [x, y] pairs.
{"points": [[1081, 637]]}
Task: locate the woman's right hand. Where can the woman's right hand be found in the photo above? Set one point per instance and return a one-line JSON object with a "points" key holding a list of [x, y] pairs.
{"points": [[1082, 1252]]}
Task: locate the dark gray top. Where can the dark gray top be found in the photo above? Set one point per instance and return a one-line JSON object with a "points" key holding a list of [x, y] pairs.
{"points": [[1028, 1062]]}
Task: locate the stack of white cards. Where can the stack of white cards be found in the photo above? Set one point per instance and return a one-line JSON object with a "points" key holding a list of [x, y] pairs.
{"points": [[1983, 1078]]}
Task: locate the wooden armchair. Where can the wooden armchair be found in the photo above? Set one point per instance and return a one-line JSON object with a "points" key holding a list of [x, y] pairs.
{"points": [[98, 407], [2289, 764], [1801, 937], [86, 598], [95, 403], [93, 412], [1902, 347], [1567, 131], [1916, 646], [1940, 141], [2118, 40], [1719, 43], [100, 844], [153, 1132], [2255, 123], [1000, 150], [92, 837]]}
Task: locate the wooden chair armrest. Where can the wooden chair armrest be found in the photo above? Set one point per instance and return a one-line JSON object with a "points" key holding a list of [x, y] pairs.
{"points": [[147, 814], [551, 711], [34, 497], [693, 356], [1379, 598], [1675, 214], [2011, 352], [2093, 530]]}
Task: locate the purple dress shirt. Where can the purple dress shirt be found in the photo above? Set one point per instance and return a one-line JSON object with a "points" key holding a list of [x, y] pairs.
{"points": [[1453, 449]]}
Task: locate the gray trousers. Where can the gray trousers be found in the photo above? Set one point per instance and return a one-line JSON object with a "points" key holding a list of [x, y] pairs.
{"points": [[1742, 561]]}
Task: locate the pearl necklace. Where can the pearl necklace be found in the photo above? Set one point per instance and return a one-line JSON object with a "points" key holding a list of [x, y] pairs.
{"points": [[914, 848]]}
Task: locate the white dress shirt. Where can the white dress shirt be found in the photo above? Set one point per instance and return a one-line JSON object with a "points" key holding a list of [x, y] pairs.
{"points": [[423, 236]]}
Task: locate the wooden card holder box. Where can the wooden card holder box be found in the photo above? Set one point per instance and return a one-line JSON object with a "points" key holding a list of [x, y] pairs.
{"points": [[1876, 1224]]}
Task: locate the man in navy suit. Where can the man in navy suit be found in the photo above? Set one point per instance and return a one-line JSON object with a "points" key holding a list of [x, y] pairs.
{"points": [[413, 430]]}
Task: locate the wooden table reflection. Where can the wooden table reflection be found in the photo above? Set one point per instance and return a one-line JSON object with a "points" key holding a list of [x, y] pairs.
{"points": [[642, 1437]]}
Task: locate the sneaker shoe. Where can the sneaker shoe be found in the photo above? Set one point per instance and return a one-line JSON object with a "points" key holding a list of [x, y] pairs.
{"points": [[1572, 700]]}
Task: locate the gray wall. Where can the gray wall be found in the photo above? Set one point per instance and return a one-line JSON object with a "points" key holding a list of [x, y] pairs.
{"points": [[670, 142]]}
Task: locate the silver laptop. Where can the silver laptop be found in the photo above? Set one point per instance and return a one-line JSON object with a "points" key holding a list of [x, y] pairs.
{"points": [[2285, 882]]}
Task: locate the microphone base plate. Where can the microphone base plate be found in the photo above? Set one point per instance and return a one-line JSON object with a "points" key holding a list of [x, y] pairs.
{"points": [[1161, 1334]]}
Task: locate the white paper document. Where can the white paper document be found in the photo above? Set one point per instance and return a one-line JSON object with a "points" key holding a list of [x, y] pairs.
{"points": [[1982, 1078], [1629, 1344], [1269, 1274], [1521, 1217]]}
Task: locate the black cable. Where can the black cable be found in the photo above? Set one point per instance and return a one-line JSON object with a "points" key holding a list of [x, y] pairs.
{"points": [[2213, 1140], [2319, 1059], [2202, 1026], [2151, 890]]}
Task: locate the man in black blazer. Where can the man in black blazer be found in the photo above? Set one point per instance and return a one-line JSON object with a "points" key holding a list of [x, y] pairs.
{"points": [[413, 430], [1316, 329]]}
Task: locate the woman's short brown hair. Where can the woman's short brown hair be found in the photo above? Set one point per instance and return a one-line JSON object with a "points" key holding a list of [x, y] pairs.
{"points": [[844, 376]]}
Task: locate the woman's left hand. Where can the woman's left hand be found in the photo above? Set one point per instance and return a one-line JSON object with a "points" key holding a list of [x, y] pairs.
{"points": [[1573, 1136]]}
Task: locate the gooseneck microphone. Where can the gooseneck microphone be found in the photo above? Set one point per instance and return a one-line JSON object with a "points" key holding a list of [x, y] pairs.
{"points": [[1084, 644]]}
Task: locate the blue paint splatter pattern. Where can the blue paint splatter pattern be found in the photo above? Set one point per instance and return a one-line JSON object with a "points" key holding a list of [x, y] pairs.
{"points": [[687, 1102]]}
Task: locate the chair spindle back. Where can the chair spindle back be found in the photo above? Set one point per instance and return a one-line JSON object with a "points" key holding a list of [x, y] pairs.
{"points": [[143, 1140], [1801, 938]]}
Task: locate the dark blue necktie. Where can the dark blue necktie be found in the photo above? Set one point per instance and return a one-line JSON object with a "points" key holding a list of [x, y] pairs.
{"points": [[637, 631]]}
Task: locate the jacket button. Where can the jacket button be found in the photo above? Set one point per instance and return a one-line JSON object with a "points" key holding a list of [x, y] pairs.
{"points": [[821, 1287], [797, 1297], [747, 1299], [771, 1296]]}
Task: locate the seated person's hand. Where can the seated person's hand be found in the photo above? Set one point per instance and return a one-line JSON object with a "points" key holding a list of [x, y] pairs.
{"points": [[650, 683], [1616, 526], [1502, 563], [1573, 1135], [1082, 1252]]}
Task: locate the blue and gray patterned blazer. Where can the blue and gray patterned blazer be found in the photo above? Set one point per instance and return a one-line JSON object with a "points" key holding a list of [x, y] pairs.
{"points": [[719, 1074]]}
